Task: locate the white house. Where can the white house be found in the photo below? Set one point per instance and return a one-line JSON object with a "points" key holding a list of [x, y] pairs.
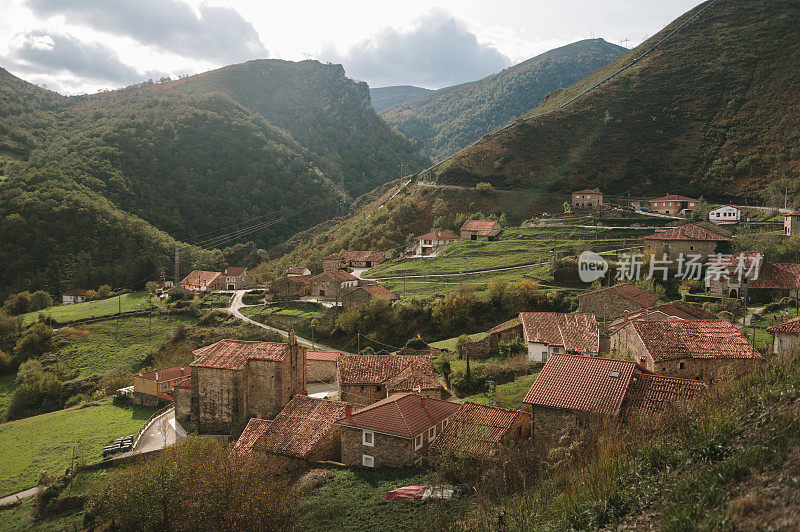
{"points": [[786, 336], [546, 333], [725, 214], [78, 295], [430, 243]]}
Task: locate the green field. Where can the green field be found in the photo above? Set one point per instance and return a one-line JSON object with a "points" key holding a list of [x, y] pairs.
{"points": [[46, 442], [300, 311], [118, 344], [6, 387], [450, 343], [92, 309], [354, 500], [509, 395]]}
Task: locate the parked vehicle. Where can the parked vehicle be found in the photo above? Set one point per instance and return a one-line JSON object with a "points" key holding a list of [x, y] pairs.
{"points": [[645, 209]]}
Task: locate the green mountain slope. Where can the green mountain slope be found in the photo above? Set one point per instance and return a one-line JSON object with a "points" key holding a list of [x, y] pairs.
{"points": [[711, 111], [385, 97], [448, 119], [99, 188]]}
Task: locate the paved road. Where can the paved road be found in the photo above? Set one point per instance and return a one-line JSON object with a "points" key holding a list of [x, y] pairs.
{"points": [[160, 434], [14, 497], [236, 304]]}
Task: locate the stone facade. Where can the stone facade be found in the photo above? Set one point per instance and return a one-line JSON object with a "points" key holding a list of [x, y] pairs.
{"points": [[606, 304], [290, 286], [320, 370], [585, 199], [549, 424], [329, 287], [785, 343], [183, 404], [388, 450], [791, 224], [675, 248], [366, 394]]}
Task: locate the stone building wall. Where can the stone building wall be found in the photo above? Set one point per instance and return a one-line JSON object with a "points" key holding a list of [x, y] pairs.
{"points": [[785, 343], [265, 383], [365, 394], [356, 299], [674, 248], [550, 423], [388, 451], [606, 305], [709, 370], [183, 406], [219, 399], [320, 370]]}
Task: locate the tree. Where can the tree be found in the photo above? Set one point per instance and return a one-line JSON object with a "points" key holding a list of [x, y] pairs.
{"points": [[151, 287], [37, 391], [18, 303], [36, 341], [41, 300], [104, 292], [702, 210], [484, 187]]}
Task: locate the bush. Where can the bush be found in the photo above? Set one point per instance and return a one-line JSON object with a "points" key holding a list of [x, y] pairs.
{"points": [[75, 400], [36, 341], [484, 187], [512, 348], [7, 364], [104, 292], [179, 293], [41, 300], [37, 391], [18, 303], [416, 343]]}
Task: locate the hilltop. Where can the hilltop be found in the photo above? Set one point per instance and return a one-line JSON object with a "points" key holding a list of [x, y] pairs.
{"points": [[385, 97], [101, 188], [712, 111], [450, 118]]}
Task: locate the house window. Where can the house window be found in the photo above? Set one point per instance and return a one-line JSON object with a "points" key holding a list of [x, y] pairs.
{"points": [[444, 423], [367, 460], [368, 438], [418, 442], [681, 365], [432, 433]]}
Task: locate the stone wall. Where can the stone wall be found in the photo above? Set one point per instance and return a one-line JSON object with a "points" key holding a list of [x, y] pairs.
{"points": [[550, 423], [606, 305], [709, 370], [626, 337], [362, 394], [266, 383], [219, 399], [356, 299], [388, 451], [320, 370], [183, 406], [785, 343], [674, 248]]}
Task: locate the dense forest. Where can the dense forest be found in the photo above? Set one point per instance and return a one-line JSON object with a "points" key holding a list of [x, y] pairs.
{"points": [[448, 119], [385, 97], [99, 189], [710, 111]]}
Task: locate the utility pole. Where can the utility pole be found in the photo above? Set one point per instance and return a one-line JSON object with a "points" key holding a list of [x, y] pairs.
{"points": [[785, 197], [177, 263]]}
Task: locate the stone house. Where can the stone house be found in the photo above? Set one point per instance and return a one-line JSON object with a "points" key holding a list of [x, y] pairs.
{"points": [[588, 198], [730, 275], [394, 432], [152, 387], [671, 310], [727, 214], [612, 302], [480, 230], [345, 260], [776, 280], [235, 278], [547, 333], [297, 271], [233, 380], [304, 431], [332, 284], [674, 204], [791, 223], [321, 366], [361, 296], [707, 350], [76, 295], [684, 241], [202, 281], [786, 336], [572, 389], [430, 243], [365, 379], [291, 286], [481, 430]]}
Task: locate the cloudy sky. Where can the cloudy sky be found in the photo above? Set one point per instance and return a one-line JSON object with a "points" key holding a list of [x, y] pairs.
{"points": [[77, 46]]}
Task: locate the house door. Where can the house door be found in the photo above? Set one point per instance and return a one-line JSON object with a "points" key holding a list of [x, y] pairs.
{"points": [[473, 237], [231, 287], [322, 293]]}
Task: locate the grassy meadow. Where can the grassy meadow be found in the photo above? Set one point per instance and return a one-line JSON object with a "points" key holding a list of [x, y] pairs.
{"points": [[46, 442], [92, 309]]}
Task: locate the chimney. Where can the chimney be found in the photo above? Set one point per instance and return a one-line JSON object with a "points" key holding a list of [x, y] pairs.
{"points": [[181, 370], [348, 410], [625, 315], [424, 401], [156, 375]]}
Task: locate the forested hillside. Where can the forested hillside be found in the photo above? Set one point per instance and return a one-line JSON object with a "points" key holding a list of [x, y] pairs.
{"points": [[712, 110], [385, 97], [96, 188], [448, 119]]}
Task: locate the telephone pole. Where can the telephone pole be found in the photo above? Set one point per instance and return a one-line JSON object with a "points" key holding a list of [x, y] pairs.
{"points": [[177, 263]]}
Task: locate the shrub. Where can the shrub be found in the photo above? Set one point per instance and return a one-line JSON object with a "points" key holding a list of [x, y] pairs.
{"points": [[37, 391], [7, 364], [75, 400], [36, 341], [484, 187], [41, 300], [416, 343], [512, 348], [179, 293], [18, 303]]}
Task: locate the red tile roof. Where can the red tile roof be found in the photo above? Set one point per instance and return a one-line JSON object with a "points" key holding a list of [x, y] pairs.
{"points": [[482, 227], [378, 369], [795, 213], [650, 393], [337, 275], [687, 232], [326, 356], [299, 427], [401, 414], [778, 275], [166, 374], [234, 354], [439, 235], [476, 428], [243, 447], [674, 309], [673, 197], [376, 290], [590, 384], [510, 324], [672, 339], [789, 327], [588, 191], [76, 292], [412, 379], [576, 332], [235, 271], [200, 278], [627, 291]]}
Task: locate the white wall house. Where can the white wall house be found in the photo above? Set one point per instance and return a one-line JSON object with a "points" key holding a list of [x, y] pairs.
{"points": [[430, 243], [540, 351], [546, 333], [725, 214], [77, 295]]}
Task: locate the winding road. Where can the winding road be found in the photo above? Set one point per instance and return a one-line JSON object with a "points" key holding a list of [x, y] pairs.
{"points": [[236, 305]]}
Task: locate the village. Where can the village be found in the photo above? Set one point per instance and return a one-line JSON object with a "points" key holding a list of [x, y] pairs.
{"points": [[624, 352]]}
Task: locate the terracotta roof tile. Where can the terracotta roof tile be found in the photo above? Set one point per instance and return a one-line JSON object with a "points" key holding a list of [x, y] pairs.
{"points": [[588, 191], [510, 324], [671, 339], [778, 275], [590, 384], [790, 327], [378, 369], [795, 213], [337, 275], [476, 429], [235, 271], [482, 227], [673, 309], [296, 270], [327, 356], [299, 427], [576, 332], [626, 291], [650, 393], [673, 197], [76, 292], [376, 290], [401, 414], [687, 232], [412, 379], [243, 447], [439, 235], [200, 278], [234, 354]]}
